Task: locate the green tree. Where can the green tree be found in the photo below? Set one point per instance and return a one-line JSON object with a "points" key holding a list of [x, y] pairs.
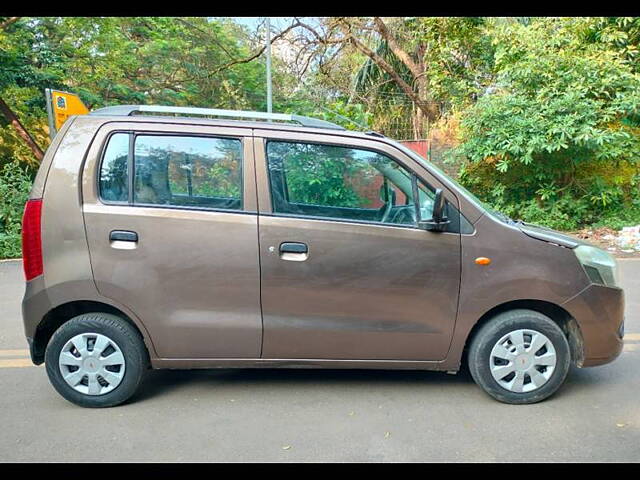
{"points": [[116, 60], [409, 71], [554, 134], [15, 185]]}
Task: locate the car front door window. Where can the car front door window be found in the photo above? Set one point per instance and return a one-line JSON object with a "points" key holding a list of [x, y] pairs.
{"points": [[342, 183]]}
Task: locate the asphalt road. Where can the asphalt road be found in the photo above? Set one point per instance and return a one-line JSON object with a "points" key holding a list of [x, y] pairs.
{"points": [[319, 415]]}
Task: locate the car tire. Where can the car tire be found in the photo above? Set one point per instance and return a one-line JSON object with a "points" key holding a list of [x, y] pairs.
{"points": [[96, 360], [502, 361]]}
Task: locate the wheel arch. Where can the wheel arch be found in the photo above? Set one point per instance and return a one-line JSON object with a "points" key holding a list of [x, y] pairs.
{"points": [[59, 315], [559, 315]]}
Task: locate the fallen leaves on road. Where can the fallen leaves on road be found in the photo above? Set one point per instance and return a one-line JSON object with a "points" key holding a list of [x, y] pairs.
{"points": [[286, 447], [387, 434]]}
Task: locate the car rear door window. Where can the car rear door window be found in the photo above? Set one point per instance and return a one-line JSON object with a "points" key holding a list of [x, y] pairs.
{"points": [[188, 171]]}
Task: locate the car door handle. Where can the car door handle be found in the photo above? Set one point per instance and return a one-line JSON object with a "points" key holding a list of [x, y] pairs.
{"points": [[123, 239], [123, 236], [293, 247], [294, 251]]}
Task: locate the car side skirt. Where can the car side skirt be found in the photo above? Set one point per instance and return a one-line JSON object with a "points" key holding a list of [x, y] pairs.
{"points": [[166, 363]]}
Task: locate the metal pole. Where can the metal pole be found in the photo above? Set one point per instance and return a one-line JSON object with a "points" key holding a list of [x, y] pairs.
{"points": [[269, 104], [52, 123]]}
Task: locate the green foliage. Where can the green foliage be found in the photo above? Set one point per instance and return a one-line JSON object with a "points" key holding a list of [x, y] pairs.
{"points": [[616, 219], [455, 56], [617, 33], [15, 185], [352, 116], [556, 142], [118, 60], [458, 57], [121, 60], [110, 61]]}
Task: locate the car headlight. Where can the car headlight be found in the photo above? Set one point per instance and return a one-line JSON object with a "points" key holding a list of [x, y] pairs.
{"points": [[600, 266]]}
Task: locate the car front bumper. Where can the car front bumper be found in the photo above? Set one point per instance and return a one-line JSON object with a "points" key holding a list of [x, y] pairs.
{"points": [[599, 312]]}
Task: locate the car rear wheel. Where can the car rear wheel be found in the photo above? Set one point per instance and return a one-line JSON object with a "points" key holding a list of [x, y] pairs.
{"points": [[96, 360], [519, 357]]}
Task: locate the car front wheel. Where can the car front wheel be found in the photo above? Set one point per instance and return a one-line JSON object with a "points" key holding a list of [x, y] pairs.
{"points": [[519, 357]]}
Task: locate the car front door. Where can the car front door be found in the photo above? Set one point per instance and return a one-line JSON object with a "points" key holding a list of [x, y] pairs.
{"points": [[345, 271], [171, 222]]}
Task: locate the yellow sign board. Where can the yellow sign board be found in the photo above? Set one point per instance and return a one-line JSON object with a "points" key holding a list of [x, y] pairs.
{"points": [[60, 106]]}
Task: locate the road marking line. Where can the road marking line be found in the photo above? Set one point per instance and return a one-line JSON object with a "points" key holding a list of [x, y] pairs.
{"points": [[14, 353], [631, 347], [16, 363], [634, 337]]}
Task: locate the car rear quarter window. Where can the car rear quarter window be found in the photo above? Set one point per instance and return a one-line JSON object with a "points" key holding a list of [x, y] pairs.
{"points": [[188, 171], [114, 178]]}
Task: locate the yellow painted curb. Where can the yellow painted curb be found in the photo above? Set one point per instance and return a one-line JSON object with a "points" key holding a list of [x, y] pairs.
{"points": [[16, 363], [14, 353]]}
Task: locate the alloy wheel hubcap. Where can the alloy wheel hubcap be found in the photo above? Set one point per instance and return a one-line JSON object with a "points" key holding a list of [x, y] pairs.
{"points": [[522, 361], [92, 364]]}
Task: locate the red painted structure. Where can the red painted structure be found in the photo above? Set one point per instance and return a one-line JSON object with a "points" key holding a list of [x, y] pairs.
{"points": [[421, 147]]}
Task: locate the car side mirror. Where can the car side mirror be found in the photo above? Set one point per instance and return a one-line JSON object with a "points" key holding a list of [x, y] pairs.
{"points": [[438, 221]]}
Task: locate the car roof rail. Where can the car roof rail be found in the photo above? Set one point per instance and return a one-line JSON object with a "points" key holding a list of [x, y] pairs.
{"points": [[129, 110], [375, 134]]}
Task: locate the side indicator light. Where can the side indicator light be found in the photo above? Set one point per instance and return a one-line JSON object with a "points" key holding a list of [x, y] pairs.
{"points": [[483, 261]]}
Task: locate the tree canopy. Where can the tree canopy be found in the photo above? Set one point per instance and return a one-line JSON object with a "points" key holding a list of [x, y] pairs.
{"points": [[540, 116]]}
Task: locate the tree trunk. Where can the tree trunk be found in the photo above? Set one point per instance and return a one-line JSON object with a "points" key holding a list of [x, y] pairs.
{"points": [[9, 21], [418, 71], [15, 121], [417, 118]]}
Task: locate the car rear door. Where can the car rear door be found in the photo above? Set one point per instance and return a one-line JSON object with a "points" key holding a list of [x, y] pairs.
{"points": [[335, 287], [171, 222]]}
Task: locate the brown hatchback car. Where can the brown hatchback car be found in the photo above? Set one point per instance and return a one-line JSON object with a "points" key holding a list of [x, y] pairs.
{"points": [[156, 241]]}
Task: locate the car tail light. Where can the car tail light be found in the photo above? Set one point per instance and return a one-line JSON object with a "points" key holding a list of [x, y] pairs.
{"points": [[32, 239]]}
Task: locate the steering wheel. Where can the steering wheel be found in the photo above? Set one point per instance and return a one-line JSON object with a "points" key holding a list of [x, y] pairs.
{"points": [[403, 215]]}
